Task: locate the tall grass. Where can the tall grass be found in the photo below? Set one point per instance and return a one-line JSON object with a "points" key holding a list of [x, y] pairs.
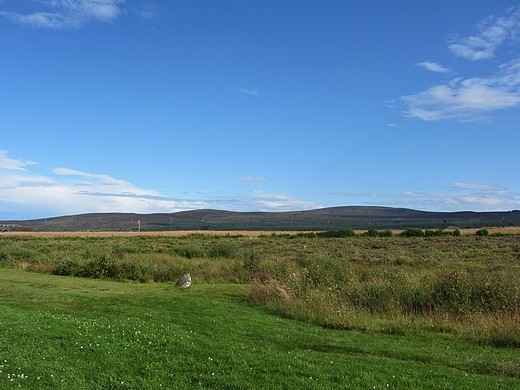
{"points": [[401, 285]]}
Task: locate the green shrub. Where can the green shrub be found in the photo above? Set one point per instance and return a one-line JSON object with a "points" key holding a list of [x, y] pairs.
{"points": [[385, 233], [306, 235], [225, 249], [378, 233], [190, 252], [451, 291], [23, 254], [4, 256], [68, 267], [322, 272], [373, 233], [482, 232], [337, 233], [429, 233], [417, 300], [412, 232], [374, 297], [252, 261]]}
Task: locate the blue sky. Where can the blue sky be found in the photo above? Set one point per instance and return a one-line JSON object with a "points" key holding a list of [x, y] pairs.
{"points": [[257, 105]]}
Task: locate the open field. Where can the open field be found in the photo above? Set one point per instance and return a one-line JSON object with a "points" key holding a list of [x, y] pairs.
{"points": [[265, 311], [515, 230]]}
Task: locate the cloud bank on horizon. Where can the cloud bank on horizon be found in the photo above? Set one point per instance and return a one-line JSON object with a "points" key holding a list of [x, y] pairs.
{"points": [[65, 191]]}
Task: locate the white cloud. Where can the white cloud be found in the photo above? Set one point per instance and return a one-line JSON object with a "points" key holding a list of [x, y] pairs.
{"points": [[91, 177], [264, 201], [453, 199], [467, 99], [9, 163], [253, 92], [433, 67], [60, 14], [476, 186], [251, 179], [147, 11], [66, 191], [472, 98], [492, 33], [69, 191]]}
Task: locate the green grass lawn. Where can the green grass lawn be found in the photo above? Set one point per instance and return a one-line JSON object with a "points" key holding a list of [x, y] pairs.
{"points": [[64, 332]]}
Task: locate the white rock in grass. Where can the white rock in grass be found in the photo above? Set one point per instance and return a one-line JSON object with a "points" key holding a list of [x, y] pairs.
{"points": [[184, 281]]}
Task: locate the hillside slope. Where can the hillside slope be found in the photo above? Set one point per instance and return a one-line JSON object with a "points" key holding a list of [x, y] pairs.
{"points": [[355, 217]]}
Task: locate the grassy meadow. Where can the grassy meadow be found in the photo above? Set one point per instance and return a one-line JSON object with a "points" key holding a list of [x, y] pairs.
{"points": [[277, 311]]}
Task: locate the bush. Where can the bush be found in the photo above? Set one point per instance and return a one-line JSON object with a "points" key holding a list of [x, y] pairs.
{"points": [[451, 291], [412, 232], [23, 254], [190, 252], [378, 233], [417, 300], [385, 233], [373, 233], [337, 233], [224, 249], [252, 262], [68, 267], [4, 256], [306, 235], [482, 232]]}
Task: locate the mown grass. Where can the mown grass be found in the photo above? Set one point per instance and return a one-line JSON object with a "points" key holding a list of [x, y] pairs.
{"points": [[64, 332]]}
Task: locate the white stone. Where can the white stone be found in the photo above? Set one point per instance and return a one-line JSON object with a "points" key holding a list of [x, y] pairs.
{"points": [[184, 281]]}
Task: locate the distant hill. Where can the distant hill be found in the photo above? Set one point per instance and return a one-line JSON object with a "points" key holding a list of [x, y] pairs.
{"points": [[354, 217]]}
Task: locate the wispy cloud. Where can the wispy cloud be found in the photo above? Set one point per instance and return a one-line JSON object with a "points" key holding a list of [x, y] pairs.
{"points": [[492, 32], [147, 10], [70, 191], [462, 200], [451, 199], [472, 98], [467, 99], [476, 186], [251, 179], [60, 14], [433, 67], [90, 177], [12, 164], [254, 92], [264, 201]]}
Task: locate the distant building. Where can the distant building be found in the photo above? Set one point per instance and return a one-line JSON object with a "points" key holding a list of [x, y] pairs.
{"points": [[13, 227]]}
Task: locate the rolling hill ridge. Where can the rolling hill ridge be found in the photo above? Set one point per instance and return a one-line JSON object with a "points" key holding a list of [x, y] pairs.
{"points": [[354, 217]]}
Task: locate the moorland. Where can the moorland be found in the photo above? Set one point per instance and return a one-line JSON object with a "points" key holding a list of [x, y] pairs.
{"points": [[333, 309]]}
